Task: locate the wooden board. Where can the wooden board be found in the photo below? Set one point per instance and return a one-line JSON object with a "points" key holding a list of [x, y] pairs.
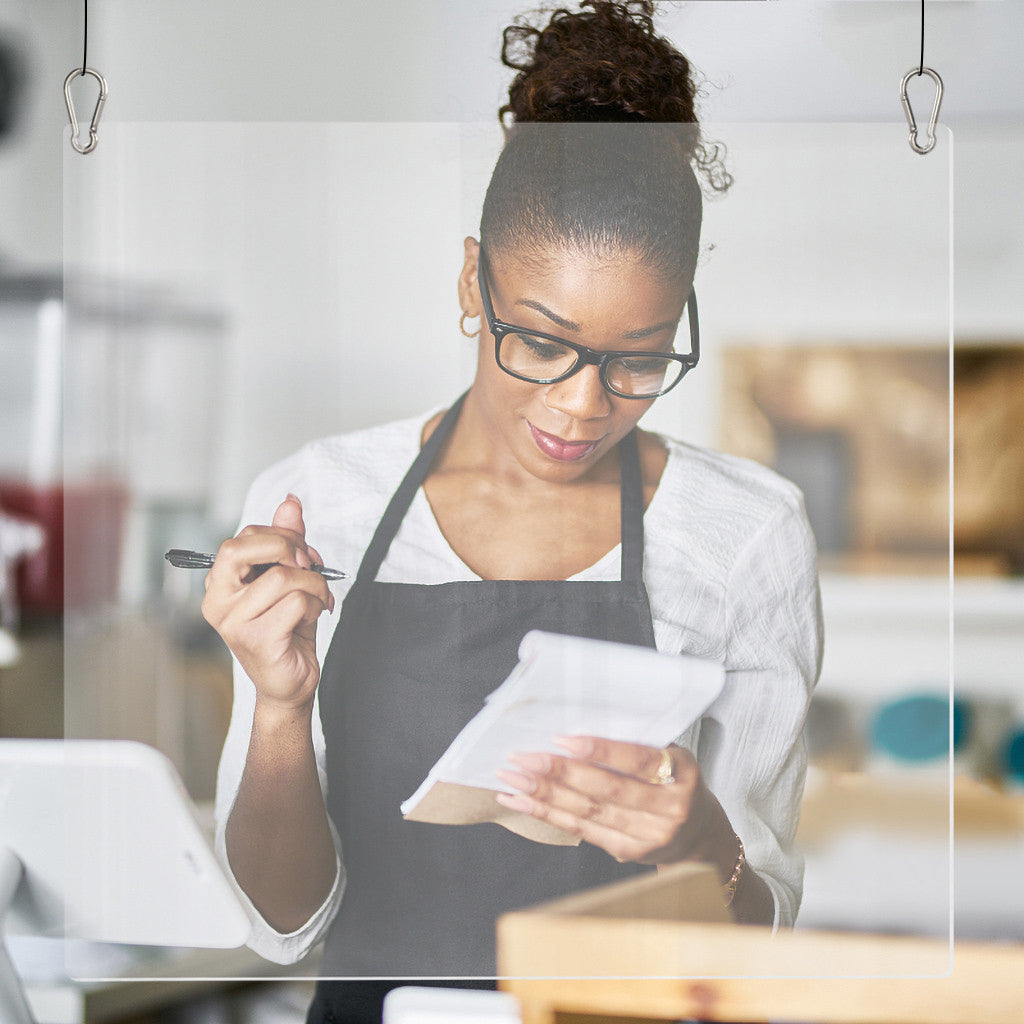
{"points": [[683, 892], [587, 956]]}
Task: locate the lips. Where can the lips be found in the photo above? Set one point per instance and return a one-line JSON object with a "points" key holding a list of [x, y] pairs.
{"points": [[559, 449]]}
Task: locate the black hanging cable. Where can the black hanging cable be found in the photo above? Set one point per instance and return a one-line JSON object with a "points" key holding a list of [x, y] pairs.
{"points": [[921, 70], [85, 38]]}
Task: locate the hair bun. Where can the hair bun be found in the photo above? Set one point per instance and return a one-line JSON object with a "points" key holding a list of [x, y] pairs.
{"points": [[604, 62]]}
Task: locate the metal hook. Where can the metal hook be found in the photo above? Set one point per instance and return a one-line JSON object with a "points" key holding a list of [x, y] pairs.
{"points": [[75, 73], [914, 144]]}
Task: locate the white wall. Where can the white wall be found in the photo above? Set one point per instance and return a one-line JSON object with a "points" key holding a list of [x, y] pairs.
{"points": [[436, 60], [321, 60]]}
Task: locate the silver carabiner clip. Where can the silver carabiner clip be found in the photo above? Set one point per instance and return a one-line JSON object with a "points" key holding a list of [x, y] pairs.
{"points": [[94, 124], [914, 144]]}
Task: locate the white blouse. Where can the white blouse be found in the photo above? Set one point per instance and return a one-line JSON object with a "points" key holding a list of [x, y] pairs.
{"points": [[730, 569]]}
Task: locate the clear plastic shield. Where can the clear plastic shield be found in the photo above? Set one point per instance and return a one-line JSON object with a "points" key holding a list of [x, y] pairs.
{"points": [[235, 291]]}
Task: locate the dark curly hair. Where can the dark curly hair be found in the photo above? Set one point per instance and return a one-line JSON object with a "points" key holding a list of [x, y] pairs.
{"points": [[604, 62], [583, 164]]}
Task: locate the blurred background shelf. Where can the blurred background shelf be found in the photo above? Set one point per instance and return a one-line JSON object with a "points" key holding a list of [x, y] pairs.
{"points": [[890, 632]]}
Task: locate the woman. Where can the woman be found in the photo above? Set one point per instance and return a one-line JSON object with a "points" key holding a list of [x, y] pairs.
{"points": [[533, 502]]}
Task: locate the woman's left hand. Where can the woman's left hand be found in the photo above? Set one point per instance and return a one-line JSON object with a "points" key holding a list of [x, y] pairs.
{"points": [[608, 794]]}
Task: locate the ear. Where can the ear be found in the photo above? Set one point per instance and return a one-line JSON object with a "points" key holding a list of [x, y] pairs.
{"points": [[469, 291]]}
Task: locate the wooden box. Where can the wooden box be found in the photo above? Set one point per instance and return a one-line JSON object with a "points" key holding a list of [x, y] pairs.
{"points": [[658, 949]]}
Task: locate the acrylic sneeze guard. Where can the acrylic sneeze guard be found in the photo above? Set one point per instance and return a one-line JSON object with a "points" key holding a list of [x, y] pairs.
{"points": [[235, 290]]}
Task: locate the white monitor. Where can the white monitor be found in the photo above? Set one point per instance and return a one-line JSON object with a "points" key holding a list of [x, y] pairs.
{"points": [[98, 840]]}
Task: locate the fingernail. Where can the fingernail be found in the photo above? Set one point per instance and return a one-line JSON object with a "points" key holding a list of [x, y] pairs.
{"points": [[295, 498], [532, 762], [517, 780], [514, 803], [581, 746]]}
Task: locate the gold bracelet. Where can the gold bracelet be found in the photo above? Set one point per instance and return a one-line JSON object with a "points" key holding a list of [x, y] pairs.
{"points": [[729, 889]]}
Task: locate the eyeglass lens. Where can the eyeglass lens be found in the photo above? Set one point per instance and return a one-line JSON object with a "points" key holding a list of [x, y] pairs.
{"points": [[541, 360]]}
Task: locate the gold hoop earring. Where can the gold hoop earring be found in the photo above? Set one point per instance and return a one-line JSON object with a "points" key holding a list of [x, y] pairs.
{"points": [[462, 326]]}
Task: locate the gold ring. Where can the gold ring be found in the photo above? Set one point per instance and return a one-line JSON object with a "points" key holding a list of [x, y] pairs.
{"points": [[663, 776]]}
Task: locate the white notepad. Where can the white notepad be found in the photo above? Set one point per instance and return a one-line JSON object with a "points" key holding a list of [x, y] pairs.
{"points": [[566, 685]]}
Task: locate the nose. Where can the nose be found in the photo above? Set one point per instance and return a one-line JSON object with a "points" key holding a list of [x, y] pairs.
{"points": [[581, 396]]}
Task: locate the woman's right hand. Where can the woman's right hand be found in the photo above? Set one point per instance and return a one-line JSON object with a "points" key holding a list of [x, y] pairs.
{"points": [[269, 621]]}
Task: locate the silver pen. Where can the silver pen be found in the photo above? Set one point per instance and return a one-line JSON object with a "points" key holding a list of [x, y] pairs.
{"points": [[183, 559]]}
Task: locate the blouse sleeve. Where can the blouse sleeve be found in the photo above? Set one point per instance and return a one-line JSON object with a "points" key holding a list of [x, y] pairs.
{"points": [[283, 948], [751, 744]]}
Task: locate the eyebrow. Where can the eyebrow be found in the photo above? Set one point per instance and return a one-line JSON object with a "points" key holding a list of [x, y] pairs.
{"points": [[560, 321], [571, 325]]}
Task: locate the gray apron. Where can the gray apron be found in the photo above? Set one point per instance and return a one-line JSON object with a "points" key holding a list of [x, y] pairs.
{"points": [[408, 666]]}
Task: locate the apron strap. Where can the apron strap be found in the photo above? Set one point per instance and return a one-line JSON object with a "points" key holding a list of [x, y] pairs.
{"points": [[632, 504], [402, 498], [632, 509]]}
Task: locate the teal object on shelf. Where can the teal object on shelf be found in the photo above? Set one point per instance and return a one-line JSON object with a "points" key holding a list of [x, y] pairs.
{"points": [[1014, 756], [916, 729]]}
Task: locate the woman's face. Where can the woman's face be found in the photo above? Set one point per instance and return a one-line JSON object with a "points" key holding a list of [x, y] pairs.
{"points": [[560, 432]]}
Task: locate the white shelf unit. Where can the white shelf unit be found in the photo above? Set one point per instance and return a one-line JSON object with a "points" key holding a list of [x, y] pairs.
{"points": [[890, 634]]}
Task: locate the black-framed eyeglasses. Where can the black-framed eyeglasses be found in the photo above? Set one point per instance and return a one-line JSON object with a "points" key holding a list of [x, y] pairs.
{"points": [[540, 358]]}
